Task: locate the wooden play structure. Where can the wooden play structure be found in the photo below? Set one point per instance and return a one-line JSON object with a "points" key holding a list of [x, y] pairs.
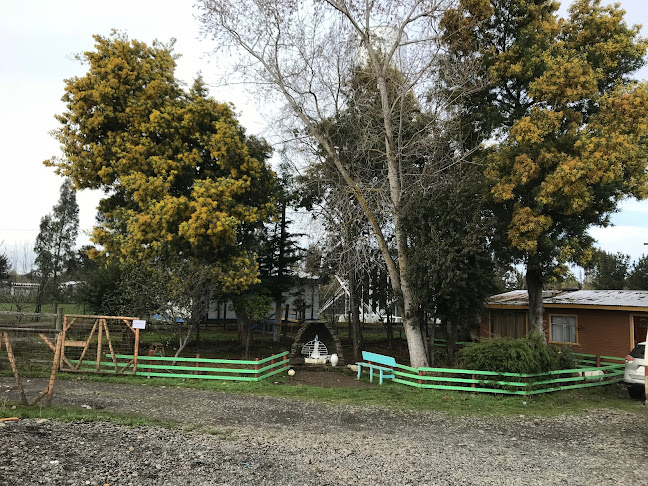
{"points": [[93, 344]]}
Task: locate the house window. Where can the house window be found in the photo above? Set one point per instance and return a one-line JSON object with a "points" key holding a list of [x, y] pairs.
{"points": [[563, 329]]}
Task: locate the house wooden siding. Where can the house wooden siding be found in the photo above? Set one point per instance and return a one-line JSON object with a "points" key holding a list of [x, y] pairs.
{"points": [[600, 332], [604, 332]]}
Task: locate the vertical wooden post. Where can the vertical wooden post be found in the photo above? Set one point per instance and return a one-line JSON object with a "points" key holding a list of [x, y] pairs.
{"points": [[598, 360], [99, 336], [87, 344], [110, 346], [57, 355], [474, 385], [420, 373], [59, 318], [197, 364], [14, 368], [256, 368], [62, 334], [136, 351]]}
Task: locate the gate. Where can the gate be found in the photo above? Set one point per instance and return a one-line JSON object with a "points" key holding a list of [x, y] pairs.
{"points": [[92, 343], [27, 352]]}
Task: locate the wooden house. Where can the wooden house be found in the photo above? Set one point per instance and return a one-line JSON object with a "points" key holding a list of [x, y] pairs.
{"points": [[601, 322]]}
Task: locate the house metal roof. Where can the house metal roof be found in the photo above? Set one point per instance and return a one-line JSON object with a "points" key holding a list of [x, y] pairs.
{"points": [[594, 298]]}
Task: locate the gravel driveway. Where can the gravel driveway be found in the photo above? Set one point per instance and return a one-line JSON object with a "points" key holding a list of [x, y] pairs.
{"points": [[240, 440]]}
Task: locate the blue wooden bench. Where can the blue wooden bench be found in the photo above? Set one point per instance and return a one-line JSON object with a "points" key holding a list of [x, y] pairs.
{"points": [[384, 365]]}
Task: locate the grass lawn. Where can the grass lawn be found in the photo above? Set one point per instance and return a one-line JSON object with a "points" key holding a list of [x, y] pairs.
{"points": [[390, 395]]}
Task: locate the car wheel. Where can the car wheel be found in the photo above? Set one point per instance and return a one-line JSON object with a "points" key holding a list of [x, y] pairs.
{"points": [[636, 392]]}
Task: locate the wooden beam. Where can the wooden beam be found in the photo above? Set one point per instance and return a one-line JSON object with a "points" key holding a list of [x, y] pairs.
{"points": [[53, 348], [68, 326], [80, 316], [136, 351], [86, 346], [50, 388], [14, 368], [76, 344], [102, 323], [110, 346]]}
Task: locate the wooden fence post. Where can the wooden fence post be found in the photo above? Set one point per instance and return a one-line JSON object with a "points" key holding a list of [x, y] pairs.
{"points": [[598, 360], [420, 373], [59, 317], [55, 363], [256, 368], [197, 364], [136, 351]]}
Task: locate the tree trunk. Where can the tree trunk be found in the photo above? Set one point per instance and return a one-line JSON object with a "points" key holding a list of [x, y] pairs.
{"points": [[451, 340], [198, 336], [390, 330], [276, 334], [536, 306], [356, 330], [411, 325], [243, 321], [431, 342]]}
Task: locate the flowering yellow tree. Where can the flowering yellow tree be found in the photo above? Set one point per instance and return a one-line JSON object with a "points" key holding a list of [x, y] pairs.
{"points": [[181, 178], [568, 129]]}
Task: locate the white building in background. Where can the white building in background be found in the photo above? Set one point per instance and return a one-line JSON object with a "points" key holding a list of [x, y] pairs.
{"points": [[300, 303], [23, 288]]}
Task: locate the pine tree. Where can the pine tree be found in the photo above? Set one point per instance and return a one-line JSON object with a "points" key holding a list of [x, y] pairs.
{"points": [[55, 242], [638, 275]]}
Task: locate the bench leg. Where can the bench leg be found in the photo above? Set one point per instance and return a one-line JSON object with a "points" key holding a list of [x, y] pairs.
{"points": [[381, 377], [371, 374], [359, 371]]}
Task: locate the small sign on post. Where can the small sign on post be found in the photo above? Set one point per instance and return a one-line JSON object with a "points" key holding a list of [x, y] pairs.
{"points": [[139, 324]]}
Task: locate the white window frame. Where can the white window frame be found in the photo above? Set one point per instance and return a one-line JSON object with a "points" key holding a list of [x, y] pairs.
{"points": [[551, 324]]}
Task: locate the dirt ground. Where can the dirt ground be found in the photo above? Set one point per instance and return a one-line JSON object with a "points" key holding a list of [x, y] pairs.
{"points": [[326, 377], [240, 440]]}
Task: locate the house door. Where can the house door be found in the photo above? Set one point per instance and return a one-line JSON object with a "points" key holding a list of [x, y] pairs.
{"points": [[640, 326]]}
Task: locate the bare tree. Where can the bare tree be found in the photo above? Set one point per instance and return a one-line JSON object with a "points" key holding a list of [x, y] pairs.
{"points": [[308, 53]]}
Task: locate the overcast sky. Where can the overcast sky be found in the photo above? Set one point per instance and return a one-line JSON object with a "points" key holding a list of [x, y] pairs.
{"points": [[38, 39]]}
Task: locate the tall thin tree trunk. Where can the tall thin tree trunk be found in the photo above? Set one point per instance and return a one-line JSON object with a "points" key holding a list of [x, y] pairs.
{"points": [[451, 340], [356, 329], [431, 332], [276, 334], [536, 305], [243, 320], [390, 330]]}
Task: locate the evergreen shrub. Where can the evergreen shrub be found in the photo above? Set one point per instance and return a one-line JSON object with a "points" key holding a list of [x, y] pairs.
{"points": [[523, 355]]}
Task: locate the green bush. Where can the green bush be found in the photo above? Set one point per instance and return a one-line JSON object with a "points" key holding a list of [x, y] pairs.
{"points": [[524, 355]]}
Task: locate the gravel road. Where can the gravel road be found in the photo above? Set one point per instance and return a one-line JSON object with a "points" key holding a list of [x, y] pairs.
{"points": [[240, 440]]}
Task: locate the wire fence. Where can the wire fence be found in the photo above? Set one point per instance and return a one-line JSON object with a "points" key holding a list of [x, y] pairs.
{"points": [[27, 352], [30, 319], [87, 340]]}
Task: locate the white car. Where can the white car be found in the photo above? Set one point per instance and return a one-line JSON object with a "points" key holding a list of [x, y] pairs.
{"points": [[634, 374]]}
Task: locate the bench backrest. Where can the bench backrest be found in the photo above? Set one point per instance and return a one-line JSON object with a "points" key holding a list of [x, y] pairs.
{"points": [[378, 358]]}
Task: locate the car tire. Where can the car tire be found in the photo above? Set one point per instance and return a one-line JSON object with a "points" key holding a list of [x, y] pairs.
{"points": [[636, 391]]}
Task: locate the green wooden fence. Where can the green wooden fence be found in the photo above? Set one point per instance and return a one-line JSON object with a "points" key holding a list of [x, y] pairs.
{"points": [[610, 371], [197, 368]]}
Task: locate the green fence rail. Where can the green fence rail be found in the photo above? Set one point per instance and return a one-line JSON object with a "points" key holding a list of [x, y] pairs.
{"points": [[584, 376], [196, 368]]}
